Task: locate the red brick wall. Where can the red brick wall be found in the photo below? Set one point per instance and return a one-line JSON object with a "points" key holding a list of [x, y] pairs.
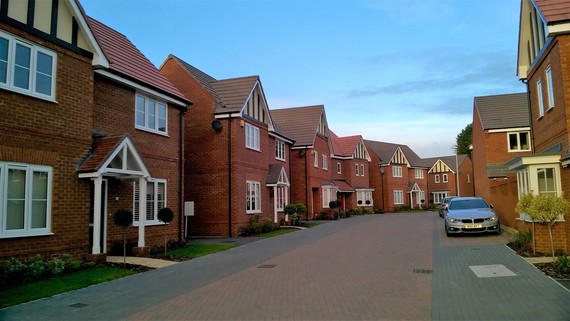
{"points": [[466, 178], [376, 181], [39, 132]]}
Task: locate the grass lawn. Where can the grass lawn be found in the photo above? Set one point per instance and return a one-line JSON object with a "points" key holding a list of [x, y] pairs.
{"points": [[64, 283], [197, 250], [277, 232]]}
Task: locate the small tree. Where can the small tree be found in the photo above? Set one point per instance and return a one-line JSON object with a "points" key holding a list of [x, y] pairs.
{"points": [[165, 215], [302, 209], [544, 209], [523, 207], [124, 218]]}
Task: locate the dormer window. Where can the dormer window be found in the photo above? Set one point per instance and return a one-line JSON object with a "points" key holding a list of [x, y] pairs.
{"points": [[151, 115]]}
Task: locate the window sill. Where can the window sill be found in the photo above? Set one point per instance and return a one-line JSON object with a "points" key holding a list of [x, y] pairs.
{"points": [[540, 117], [550, 109], [148, 223], [25, 235], [148, 130], [253, 212]]}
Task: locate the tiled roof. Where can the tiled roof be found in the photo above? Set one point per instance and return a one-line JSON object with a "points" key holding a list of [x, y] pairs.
{"points": [[385, 151], [300, 123], [125, 59], [554, 11], [100, 151], [203, 78], [503, 111], [274, 173], [448, 160], [344, 146], [343, 186], [234, 93]]}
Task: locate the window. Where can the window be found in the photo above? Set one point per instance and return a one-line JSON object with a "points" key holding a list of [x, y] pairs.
{"points": [[519, 141], [419, 173], [253, 197], [279, 150], [251, 136], [315, 159], [325, 162], [445, 178], [436, 178], [338, 168], [329, 194], [155, 200], [396, 171], [281, 197], [27, 68], [364, 198], [357, 170], [540, 99], [150, 114], [25, 199], [546, 181], [439, 196], [550, 87], [398, 197], [361, 170], [468, 179]]}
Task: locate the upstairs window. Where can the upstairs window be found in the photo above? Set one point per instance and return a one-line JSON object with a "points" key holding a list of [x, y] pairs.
{"points": [[550, 87], [251, 137], [445, 178], [315, 159], [357, 170], [436, 178], [540, 99], [279, 150], [361, 170], [338, 168], [519, 142], [396, 171], [419, 173], [325, 162], [150, 115], [27, 68]]}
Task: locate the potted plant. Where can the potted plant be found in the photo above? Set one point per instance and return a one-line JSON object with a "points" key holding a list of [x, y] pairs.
{"points": [[165, 215], [124, 218]]}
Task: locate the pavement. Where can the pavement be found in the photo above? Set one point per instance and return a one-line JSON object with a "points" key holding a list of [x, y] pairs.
{"points": [[373, 267]]}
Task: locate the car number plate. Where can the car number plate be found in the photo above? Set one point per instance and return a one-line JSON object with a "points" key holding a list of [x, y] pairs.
{"points": [[473, 225]]}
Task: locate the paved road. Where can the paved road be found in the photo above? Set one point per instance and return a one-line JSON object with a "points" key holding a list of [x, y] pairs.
{"points": [[376, 267]]}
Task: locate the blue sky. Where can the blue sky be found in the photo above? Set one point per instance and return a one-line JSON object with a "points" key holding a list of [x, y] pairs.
{"points": [[399, 71]]}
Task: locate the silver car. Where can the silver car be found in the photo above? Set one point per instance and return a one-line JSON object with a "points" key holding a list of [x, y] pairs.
{"points": [[444, 203], [470, 215]]}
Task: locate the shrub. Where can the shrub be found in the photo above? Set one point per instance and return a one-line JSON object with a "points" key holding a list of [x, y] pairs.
{"points": [[379, 210], [257, 225], [14, 272], [563, 264]]}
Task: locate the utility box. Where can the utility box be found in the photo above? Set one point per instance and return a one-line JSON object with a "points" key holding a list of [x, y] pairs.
{"points": [[188, 208]]}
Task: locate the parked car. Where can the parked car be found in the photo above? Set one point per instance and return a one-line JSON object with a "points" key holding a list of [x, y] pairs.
{"points": [[470, 215], [443, 204]]}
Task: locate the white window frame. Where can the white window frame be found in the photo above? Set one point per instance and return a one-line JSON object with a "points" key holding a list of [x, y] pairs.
{"points": [[338, 168], [396, 171], [361, 170], [540, 98], [528, 182], [279, 150], [363, 196], [518, 148], [419, 173], [325, 162], [439, 196], [252, 137], [445, 178], [550, 87], [151, 120], [398, 197], [158, 201], [34, 73], [28, 229], [328, 195], [436, 178], [253, 197], [357, 169], [315, 159]]}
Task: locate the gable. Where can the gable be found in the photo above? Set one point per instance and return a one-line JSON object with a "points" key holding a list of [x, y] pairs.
{"points": [[440, 167], [360, 151], [58, 21], [256, 106], [399, 157]]}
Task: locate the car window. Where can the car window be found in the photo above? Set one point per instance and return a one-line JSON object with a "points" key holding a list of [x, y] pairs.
{"points": [[467, 204]]}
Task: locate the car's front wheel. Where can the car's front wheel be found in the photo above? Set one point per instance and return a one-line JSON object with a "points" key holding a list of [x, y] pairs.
{"points": [[447, 231]]}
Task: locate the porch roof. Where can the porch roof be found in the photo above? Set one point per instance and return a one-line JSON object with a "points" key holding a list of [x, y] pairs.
{"points": [[343, 186]]}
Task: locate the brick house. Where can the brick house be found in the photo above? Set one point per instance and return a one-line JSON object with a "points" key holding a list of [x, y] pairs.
{"points": [[311, 172], [544, 47], [71, 148], [238, 160], [501, 132], [445, 180], [403, 175], [350, 172]]}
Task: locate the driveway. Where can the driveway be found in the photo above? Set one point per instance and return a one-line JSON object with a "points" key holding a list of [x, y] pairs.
{"points": [[373, 267]]}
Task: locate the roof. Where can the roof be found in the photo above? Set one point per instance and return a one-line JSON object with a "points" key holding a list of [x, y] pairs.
{"points": [[385, 151], [344, 146], [125, 59], [300, 123], [554, 11], [234, 92], [448, 160], [274, 173], [343, 186], [100, 150], [503, 111]]}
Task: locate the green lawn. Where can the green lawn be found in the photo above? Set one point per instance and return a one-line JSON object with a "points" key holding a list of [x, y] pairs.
{"points": [[197, 250], [277, 232]]}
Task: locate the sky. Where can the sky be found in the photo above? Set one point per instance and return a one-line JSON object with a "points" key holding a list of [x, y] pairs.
{"points": [[398, 71]]}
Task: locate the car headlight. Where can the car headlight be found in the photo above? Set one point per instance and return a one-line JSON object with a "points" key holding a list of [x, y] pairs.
{"points": [[453, 220], [493, 218]]}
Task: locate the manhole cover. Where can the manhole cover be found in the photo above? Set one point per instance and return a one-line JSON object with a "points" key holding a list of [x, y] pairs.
{"points": [[491, 271], [266, 266], [78, 305], [423, 271]]}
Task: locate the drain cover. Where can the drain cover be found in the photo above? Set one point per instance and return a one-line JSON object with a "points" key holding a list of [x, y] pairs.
{"points": [[423, 271], [491, 271], [266, 266], [78, 305]]}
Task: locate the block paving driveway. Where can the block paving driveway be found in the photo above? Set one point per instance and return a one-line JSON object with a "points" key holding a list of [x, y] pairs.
{"points": [[373, 267]]}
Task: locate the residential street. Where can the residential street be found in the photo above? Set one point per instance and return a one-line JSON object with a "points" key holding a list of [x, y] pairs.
{"points": [[373, 267]]}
